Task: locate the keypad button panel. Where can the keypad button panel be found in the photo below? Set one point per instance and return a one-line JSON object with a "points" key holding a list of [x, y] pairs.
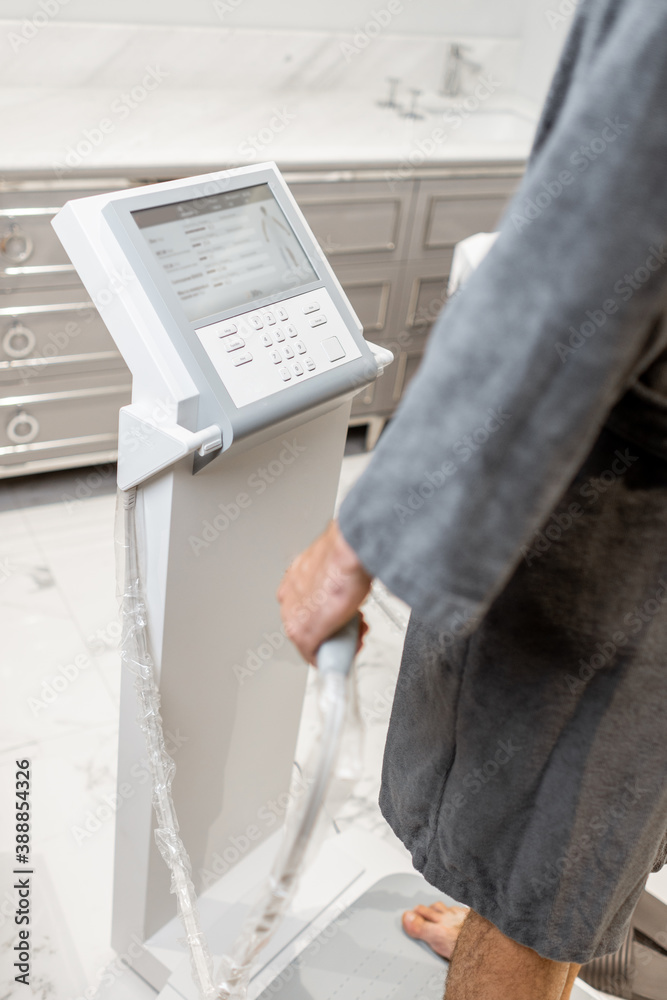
{"points": [[264, 351]]}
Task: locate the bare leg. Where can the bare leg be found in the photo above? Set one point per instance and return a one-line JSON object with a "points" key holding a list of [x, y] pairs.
{"points": [[486, 965], [571, 976]]}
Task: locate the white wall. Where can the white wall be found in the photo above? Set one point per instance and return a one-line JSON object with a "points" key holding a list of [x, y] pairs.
{"points": [[543, 35], [499, 18]]}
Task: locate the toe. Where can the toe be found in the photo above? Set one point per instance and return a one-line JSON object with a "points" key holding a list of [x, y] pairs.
{"points": [[413, 923]]}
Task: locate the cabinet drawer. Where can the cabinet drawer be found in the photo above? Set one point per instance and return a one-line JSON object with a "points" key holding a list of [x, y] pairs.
{"points": [[41, 332], [31, 255], [75, 413], [356, 218], [374, 293], [426, 292], [376, 398], [450, 210]]}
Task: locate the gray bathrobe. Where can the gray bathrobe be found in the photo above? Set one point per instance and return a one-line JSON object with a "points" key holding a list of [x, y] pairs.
{"points": [[518, 503]]}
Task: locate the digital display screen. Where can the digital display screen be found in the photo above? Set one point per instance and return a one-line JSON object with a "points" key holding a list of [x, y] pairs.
{"points": [[225, 250]]}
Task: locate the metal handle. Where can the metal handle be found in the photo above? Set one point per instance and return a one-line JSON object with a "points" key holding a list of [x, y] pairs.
{"points": [[19, 341], [336, 655], [39, 268], [16, 245], [22, 428]]}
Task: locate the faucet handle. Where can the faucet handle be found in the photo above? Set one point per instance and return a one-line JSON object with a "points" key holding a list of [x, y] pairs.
{"points": [[412, 112], [391, 101]]}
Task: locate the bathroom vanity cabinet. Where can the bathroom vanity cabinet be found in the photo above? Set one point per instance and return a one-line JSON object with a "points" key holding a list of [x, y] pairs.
{"points": [[389, 236]]}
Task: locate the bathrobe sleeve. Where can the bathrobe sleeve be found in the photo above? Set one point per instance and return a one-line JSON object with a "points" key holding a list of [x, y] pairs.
{"points": [[525, 363]]}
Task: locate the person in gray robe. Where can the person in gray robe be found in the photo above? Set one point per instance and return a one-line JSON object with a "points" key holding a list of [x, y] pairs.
{"points": [[518, 503]]}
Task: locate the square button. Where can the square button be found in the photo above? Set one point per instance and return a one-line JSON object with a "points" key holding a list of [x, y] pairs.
{"points": [[276, 357], [291, 330], [333, 349], [288, 352], [310, 364], [300, 346], [297, 369], [266, 339], [285, 374], [280, 336], [256, 322], [282, 314]]}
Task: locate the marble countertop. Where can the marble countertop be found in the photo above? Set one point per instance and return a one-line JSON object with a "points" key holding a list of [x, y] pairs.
{"points": [[77, 99], [69, 131]]}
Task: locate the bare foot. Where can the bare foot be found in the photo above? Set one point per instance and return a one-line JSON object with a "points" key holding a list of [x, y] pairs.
{"points": [[438, 925]]}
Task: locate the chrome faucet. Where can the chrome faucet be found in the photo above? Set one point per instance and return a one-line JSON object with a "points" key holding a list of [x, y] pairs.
{"points": [[456, 60]]}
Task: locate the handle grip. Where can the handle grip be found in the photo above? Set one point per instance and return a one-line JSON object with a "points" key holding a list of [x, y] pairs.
{"points": [[336, 654]]}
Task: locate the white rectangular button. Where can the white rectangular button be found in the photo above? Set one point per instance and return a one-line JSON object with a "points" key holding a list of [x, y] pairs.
{"points": [[288, 352], [256, 322], [310, 364], [282, 313], [333, 348], [284, 374], [300, 346], [233, 343], [276, 357], [291, 331], [297, 369], [280, 336], [311, 307], [266, 339], [270, 318], [241, 359], [228, 329], [317, 320]]}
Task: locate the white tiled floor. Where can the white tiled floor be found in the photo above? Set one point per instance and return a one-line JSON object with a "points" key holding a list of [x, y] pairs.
{"points": [[58, 621]]}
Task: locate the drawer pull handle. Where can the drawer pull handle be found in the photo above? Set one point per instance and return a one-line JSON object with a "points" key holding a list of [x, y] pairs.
{"points": [[22, 428], [19, 341], [16, 245]]}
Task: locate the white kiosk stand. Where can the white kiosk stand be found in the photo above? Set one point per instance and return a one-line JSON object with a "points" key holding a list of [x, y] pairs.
{"points": [[245, 354]]}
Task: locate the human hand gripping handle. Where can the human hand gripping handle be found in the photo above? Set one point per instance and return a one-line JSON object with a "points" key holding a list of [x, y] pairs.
{"points": [[321, 591]]}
